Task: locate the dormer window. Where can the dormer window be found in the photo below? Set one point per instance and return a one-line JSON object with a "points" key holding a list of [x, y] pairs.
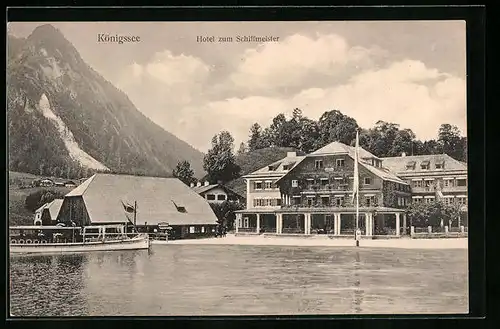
{"points": [[440, 164], [410, 165], [273, 167], [425, 165], [288, 166]]}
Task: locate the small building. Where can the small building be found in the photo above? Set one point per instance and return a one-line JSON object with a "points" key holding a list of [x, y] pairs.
{"points": [[216, 193], [46, 182], [110, 199], [70, 183], [47, 214]]}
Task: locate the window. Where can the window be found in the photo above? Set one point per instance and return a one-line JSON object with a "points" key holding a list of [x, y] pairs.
{"points": [[324, 182], [221, 197], [210, 196], [325, 201], [340, 162], [268, 185], [246, 222], [410, 165], [273, 167], [259, 202], [368, 180], [203, 229], [295, 183], [440, 165], [462, 200], [296, 200], [318, 164], [310, 201], [425, 165], [429, 199], [191, 229], [448, 182], [370, 201], [339, 201], [448, 201], [258, 185], [461, 182]]}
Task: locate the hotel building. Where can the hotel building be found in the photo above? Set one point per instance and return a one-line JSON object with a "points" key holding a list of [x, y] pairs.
{"points": [[312, 194]]}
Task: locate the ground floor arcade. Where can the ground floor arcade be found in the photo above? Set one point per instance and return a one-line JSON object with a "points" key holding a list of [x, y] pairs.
{"points": [[334, 221]]}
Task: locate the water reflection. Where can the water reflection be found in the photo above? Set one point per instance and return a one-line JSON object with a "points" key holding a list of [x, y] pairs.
{"points": [[47, 284], [238, 280], [358, 292]]}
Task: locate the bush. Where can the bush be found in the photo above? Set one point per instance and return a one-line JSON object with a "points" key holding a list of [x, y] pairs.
{"points": [[225, 212], [432, 214]]}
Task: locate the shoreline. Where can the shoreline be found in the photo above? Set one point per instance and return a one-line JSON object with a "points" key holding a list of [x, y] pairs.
{"points": [[403, 243]]}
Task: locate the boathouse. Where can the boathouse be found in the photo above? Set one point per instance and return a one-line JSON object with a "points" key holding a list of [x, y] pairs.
{"points": [[110, 199]]}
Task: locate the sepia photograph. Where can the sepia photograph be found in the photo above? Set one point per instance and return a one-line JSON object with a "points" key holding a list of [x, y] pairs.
{"points": [[211, 168]]}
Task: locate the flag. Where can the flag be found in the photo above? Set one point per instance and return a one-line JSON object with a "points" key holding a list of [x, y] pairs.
{"points": [[355, 186], [128, 208]]}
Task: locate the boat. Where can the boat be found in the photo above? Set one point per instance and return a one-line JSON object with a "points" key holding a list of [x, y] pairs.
{"points": [[61, 239]]}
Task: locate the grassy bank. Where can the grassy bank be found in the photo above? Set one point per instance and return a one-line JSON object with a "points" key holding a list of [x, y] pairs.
{"points": [[18, 214]]}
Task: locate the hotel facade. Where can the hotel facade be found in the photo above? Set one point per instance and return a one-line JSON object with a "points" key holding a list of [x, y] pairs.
{"points": [[312, 194]]}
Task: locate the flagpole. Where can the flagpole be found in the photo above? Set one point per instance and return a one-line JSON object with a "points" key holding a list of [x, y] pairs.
{"points": [[135, 214], [356, 179]]}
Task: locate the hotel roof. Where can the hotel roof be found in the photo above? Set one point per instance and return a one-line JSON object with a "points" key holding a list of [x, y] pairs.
{"points": [[412, 163], [341, 148], [158, 200], [203, 188], [280, 167]]}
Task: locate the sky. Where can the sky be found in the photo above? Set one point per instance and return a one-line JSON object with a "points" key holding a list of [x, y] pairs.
{"points": [[407, 72]]}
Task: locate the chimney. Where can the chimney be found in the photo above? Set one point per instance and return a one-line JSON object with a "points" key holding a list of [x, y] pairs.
{"points": [[191, 185], [207, 183], [198, 184], [291, 154], [403, 154]]}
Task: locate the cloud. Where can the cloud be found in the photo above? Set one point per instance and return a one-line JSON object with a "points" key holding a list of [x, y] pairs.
{"points": [[416, 97], [174, 70], [314, 74], [299, 60], [168, 78]]}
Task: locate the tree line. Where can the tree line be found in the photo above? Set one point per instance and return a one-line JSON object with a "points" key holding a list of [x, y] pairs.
{"points": [[385, 139]]}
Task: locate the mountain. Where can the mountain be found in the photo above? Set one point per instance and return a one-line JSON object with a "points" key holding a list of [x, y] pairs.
{"points": [[64, 117], [254, 160]]}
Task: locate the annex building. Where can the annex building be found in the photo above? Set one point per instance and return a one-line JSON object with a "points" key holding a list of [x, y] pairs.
{"points": [[104, 199], [312, 194]]}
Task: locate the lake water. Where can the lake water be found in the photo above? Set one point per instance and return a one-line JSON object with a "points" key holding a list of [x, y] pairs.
{"points": [[240, 280]]}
